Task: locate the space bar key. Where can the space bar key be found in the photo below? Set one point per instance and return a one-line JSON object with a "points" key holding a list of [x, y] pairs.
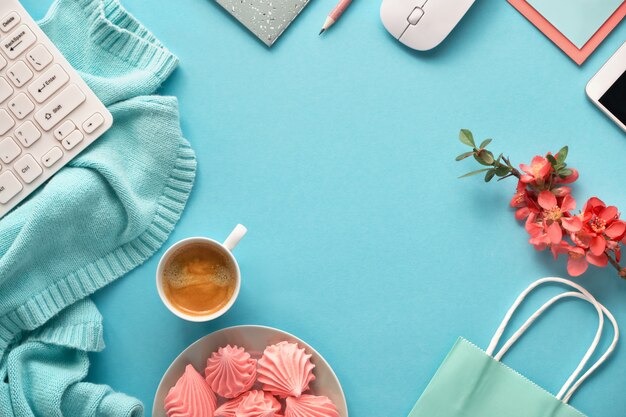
{"points": [[60, 107]]}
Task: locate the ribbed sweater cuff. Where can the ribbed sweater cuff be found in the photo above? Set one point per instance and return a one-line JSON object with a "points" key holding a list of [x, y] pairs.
{"points": [[117, 31]]}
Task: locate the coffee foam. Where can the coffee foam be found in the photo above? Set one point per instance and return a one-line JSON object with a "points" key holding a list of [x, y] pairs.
{"points": [[178, 276], [197, 265]]}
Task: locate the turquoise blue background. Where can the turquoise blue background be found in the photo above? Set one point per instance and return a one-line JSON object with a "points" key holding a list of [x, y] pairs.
{"points": [[337, 153]]}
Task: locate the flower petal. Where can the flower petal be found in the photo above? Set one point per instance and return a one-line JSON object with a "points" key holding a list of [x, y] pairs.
{"points": [[555, 233], [608, 213], [592, 203], [542, 166], [616, 230], [577, 266], [522, 213], [559, 249], [547, 200], [597, 245], [525, 168], [599, 261], [568, 203], [572, 224]]}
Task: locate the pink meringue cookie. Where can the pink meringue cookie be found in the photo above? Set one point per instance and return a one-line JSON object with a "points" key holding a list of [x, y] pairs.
{"points": [[230, 371], [229, 408], [190, 397], [258, 404], [285, 370], [310, 406]]}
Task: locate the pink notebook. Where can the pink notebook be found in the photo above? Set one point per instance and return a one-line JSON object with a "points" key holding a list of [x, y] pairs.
{"points": [[579, 55]]}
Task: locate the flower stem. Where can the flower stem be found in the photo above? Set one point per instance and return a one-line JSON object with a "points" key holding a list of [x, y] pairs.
{"points": [[620, 271]]}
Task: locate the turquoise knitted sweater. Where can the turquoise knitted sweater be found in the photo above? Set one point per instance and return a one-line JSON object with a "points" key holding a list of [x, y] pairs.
{"points": [[105, 213]]}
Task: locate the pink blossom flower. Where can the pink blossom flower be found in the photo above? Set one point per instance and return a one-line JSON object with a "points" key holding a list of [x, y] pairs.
{"points": [[576, 261], [537, 172], [601, 223], [523, 202], [539, 237], [555, 214], [578, 258]]}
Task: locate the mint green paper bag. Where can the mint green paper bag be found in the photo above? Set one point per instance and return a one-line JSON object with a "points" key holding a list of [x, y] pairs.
{"points": [[475, 383]]}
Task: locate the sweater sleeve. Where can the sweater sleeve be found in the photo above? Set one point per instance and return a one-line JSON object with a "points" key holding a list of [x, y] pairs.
{"points": [[114, 53], [43, 375]]}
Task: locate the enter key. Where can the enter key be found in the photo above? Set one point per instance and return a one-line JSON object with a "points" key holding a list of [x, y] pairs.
{"points": [[49, 83]]}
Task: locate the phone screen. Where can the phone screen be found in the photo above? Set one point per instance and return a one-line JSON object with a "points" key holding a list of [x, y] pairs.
{"points": [[615, 99]]}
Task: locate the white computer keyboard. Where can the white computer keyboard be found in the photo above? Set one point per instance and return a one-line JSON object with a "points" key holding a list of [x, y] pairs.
{"points": [[48, 115]]}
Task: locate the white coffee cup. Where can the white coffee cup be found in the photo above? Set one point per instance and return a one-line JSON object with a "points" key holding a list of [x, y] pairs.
{"points": [[224, 248]]}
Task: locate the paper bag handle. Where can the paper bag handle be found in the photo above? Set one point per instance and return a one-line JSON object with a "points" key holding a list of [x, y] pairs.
{"points": [[564, 394]]}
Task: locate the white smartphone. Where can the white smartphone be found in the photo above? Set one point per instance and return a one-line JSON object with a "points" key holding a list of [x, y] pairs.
{"points": [[607, 89]]}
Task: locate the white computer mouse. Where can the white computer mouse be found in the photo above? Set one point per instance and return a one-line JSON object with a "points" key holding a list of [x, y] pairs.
{"points": [[422, 24]]}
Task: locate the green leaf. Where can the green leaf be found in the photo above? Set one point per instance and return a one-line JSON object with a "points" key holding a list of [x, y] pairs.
{"points": [[469, 174], [551, 159], [466, 137], [464, 155], [489, 175], [485, 142], [502, 170], [484, 158], [562, 155], [564, 173]]}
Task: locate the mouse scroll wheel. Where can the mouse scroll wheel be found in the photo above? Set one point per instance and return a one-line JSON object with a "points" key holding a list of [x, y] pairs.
{"points": [[415, 16]]}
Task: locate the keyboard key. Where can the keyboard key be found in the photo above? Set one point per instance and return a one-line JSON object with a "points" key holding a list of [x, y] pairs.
{"points": [[9, 21], [3, 62], [9, 150], [21, 106], [27, 134], [65, 129], [6, 90], [39, 57], [60, 107], [18, 41], [72, 139], [94, 122], [19, 74], [52, 157], [6, 122], [49, 83], [27, 168], [10, 186]]}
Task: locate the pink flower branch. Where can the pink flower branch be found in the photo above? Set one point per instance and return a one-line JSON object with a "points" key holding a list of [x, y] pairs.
{"points": [[544, 202]]}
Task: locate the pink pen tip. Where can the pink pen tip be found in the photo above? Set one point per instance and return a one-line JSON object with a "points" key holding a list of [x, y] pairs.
{"points": [[322, 31]]}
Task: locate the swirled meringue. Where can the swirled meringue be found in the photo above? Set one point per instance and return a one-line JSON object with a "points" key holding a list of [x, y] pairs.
{"points": [[229, 408], [230, 371], [285, 370], [190, 397], [310, 406], [258, 404]]}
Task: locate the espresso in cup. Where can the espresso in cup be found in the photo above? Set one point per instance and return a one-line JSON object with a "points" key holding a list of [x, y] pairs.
{"points": [[199, 279]]}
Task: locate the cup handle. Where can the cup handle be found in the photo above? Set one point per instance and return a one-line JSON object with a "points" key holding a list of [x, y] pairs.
{"points": [[235, 236]]}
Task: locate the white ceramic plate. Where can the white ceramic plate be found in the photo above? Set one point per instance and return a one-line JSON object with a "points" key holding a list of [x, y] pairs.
{"points": [[254, 339]]}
